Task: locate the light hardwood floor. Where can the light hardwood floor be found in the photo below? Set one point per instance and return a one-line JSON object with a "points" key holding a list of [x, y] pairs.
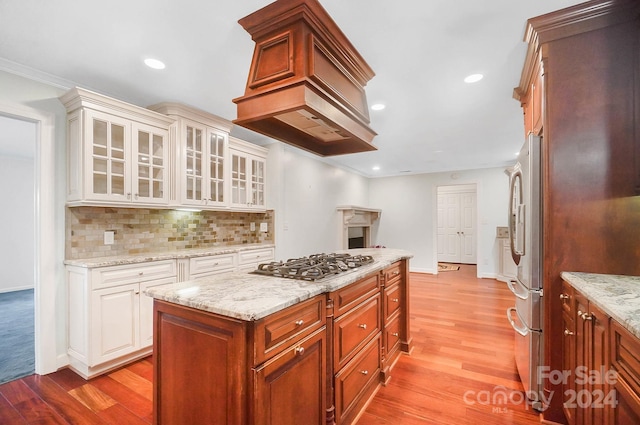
{"points": [[462, 358]]}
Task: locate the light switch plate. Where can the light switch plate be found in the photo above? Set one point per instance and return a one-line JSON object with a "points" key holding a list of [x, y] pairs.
{"points": [[263, 227], [252, 227]]}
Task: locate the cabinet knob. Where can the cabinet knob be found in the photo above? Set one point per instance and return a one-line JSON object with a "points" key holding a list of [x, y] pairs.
{"points": [[140, 273], [586, 316], [364, 372], [395, 300], [396, 273], [299, 322], [299, 351], [363, 326], [564, 296], [567, 332], [137, 292], [395, 334]]}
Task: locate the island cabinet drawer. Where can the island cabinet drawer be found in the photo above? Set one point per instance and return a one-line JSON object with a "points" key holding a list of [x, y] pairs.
{"points": [[354, 329], [211, 263], [567, 298], [350, 296], [277, 331], [355, 384], [393, 273], [102, 277], [392, 336], [392, 298]]}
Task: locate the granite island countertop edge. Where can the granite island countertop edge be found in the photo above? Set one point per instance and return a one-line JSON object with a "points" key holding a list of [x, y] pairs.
{"points": [[251, 297], [616, 295]]}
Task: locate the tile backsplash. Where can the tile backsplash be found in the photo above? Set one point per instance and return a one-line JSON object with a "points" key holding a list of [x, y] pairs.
{"points": [[140, 230]]}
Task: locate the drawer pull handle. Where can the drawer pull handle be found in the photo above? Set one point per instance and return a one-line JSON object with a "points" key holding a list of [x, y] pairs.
{"points": [[299, 351], [395, 334], [564, 296], [586, 316], [140, 273], [395, 300], [364, 372], [363, 326], [567, 332], [396, 273], [299, 322]]}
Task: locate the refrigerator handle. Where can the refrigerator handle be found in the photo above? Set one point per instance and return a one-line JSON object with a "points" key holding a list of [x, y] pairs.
{"points": [[510, 283], [521, 330], [515, 203]]}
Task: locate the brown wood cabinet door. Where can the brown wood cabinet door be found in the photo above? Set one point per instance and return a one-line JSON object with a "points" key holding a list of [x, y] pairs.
{"points": [[198, 357], [290, 388], [599, 365], [569, 364]]}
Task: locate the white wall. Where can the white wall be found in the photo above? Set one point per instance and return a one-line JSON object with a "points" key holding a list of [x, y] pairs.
{"points": [[408, 217], [17, 263], [305, 192]]}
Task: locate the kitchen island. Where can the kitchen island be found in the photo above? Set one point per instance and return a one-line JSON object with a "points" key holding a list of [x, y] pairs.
{"points": [[244, 348]]}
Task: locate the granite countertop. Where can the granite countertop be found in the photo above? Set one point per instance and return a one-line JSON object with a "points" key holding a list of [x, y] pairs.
{"points": [[618, 296], [165, 255], [248, 296]]}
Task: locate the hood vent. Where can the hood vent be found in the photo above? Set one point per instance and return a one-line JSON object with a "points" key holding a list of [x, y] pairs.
{"points": [[306, 81]]}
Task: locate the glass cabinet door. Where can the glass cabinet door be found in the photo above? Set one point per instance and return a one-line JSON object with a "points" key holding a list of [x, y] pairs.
{"points": [[217, 145], [193, 172], [238, 180], [257, 182], [109, 143], [150, 164]]}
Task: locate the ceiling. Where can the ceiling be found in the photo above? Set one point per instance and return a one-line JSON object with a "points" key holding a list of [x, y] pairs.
{"points": [[420, 51]]}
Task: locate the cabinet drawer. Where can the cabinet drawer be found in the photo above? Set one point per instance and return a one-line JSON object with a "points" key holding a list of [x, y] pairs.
{"points": [[392, 336], [354, 329], [393, 273], [131, 273], [392, 300], [349, 296], [281, 329], [357, 381], [625, 355], [212, 263], [567, 298], [256, 256]]}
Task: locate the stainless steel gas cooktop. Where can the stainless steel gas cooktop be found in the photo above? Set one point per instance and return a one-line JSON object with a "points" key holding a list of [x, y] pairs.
{"points": [[313, 267]]}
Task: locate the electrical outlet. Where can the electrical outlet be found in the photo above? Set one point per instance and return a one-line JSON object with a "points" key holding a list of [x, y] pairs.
{"points": [[109, 237], [264, 227]]}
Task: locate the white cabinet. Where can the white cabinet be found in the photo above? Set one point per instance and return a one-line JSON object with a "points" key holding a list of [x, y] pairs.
{"points": [[118, 154], [201, 267], [249, 260], [110, 318], [202, 156], [248, 175]]}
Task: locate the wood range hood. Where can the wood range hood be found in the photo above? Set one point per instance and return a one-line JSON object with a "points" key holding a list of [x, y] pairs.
{"points": [[306, 81]]}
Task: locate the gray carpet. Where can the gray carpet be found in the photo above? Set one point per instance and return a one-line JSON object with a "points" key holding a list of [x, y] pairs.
{"points": [[17, 346]]}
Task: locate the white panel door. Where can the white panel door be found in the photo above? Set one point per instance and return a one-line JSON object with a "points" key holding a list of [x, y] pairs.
{"points": [[456, 227]]}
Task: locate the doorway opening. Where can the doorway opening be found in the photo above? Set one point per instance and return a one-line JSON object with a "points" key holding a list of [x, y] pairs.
{"points": [[456, 224], [17, 253]]}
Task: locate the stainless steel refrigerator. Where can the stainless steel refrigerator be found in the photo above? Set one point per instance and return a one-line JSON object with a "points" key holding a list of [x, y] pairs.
{"points": [[525, 236]]}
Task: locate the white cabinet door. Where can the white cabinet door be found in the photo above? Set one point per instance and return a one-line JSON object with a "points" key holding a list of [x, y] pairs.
{"points": [[248, 174], [114, 322], [149, 165], [204, 154], [107, 141], [146, 310]]}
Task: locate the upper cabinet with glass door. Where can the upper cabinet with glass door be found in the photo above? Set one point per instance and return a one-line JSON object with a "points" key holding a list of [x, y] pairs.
{"points": [[118, 154], [248, 175], [202, 156]]}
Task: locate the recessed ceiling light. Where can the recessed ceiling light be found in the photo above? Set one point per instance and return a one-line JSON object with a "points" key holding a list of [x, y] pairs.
{"points": [[376, 168], [378, 106], [154, 63], [473, 78]]}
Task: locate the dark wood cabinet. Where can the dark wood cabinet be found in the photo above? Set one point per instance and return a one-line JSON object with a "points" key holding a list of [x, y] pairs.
{"points": [[569, 343], [625, 360], [315, 362], [586, 58]]}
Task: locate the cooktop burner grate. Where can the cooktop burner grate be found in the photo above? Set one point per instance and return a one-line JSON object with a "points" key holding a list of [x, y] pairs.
{"points": [[313, 267]]}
